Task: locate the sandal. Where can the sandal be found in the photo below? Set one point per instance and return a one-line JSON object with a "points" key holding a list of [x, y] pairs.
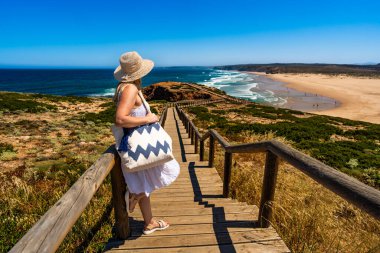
{"points": [[151, 228]]}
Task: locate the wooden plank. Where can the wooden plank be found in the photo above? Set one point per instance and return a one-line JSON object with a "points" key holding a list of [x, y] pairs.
{"points": [[185, 204], [206, 218], [182, 190], [190, 188], [254, 235], [206, 228], [272, 246], [227, 207], [199, 211], [184, 198], [175, 194], [206, 181]]}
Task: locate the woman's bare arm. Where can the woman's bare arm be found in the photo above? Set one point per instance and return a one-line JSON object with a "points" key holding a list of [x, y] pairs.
{"points": [[126, 103]]}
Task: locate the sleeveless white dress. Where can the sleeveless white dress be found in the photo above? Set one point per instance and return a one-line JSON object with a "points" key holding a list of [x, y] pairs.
{"points": [[154, 178]]}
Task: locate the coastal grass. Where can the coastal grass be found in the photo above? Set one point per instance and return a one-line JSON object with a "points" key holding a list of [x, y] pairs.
{"points": [[307, 216]]}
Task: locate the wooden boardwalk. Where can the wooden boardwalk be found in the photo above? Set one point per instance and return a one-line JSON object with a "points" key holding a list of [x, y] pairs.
{"points": [[201, 219]]}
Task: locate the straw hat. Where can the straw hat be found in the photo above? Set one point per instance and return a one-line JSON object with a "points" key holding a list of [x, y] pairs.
{"points": [[132, 67]]}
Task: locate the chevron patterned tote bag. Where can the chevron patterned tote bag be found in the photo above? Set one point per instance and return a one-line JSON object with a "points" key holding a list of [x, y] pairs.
{"points": [[143, 147]]}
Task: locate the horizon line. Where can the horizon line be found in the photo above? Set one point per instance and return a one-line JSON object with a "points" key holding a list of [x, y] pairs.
{"points": [[179, 66]]}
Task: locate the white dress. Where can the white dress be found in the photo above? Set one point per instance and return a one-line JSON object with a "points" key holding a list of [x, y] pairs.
{"points": [[154, 178]]}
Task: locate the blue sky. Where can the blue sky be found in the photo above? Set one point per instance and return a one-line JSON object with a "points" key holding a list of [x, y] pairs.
{"points": [[94, 33]]}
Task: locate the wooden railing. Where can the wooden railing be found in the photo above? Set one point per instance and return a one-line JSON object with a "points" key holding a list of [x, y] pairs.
{"points": [[48, 233], [186, 103], [363, 196], [201, 102]]}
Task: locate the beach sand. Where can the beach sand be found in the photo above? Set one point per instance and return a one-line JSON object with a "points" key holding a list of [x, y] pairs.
{"points": [[358, 98]]}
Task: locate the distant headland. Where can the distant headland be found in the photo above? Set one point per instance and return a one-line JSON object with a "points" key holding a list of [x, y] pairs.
{"points": [[303, 68]]}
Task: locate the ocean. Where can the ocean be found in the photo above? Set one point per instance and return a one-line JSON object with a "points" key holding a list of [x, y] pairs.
{"points": [[100, 82]]}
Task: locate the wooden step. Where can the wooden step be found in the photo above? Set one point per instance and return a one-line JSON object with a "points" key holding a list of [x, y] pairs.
{"points": [[205, 228], [188, 211], [254, 247], [257, 235], [206, 218]]}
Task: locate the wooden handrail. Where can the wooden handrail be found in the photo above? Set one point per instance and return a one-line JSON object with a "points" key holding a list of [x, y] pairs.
{"points": [[363, 196], [51, 229], [48, 233], [196, 102]]}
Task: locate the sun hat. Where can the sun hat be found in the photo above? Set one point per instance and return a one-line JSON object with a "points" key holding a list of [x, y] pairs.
{"points": [[132, 67]]}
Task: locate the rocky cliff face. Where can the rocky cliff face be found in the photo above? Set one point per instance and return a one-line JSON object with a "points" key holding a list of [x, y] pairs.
{"points": [[175, 91]]}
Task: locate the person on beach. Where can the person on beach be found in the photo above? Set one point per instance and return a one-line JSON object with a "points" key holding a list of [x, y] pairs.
{"points": [[131, 112]]}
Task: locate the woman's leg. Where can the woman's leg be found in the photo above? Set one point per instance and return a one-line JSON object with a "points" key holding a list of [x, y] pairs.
{"points": [[146, 209], [134, 199]]}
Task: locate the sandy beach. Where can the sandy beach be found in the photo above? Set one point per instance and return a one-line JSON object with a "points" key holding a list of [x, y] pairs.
{"points": [[358, 98]]}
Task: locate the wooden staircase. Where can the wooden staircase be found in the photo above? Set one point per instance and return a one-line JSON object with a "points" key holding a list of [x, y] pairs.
{"points": [[201, 219]]}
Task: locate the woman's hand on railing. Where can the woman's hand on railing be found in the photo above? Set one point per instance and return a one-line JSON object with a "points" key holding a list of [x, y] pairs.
{"points": [[151, 118]]}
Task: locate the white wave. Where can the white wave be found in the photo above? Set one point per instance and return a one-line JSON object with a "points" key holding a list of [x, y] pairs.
{"points": [[270, 92], [105, 93], [221, 77], [222, 85], [244, 91]]}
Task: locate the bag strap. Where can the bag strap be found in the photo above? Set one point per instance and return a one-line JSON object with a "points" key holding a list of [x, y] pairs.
{"points": [[144, 101]]}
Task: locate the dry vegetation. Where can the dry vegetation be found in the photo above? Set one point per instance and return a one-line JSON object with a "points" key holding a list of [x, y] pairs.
{"points": [[46, 143]]}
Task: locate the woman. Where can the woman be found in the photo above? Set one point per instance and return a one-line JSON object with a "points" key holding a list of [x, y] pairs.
{"points": [[131, 112]]}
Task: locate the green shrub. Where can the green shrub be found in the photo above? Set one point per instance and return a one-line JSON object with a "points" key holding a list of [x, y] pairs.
{"points": [[107, 104], [158, 101], [154, 110], [105, 116], [69, 99], [30, 106], [5, 147]]}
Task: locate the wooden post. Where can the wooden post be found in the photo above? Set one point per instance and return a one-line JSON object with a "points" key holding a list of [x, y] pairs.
{"points": [[120, 207], [211, 151], [191, 135], [227, 173], [188, 128], [269, 187], [201, 150], [196, 144]]}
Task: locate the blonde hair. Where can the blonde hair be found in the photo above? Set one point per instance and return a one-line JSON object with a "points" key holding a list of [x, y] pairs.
{"points": [[136, 82]]}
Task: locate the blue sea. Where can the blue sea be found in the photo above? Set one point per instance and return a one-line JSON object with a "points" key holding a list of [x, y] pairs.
{"points": [[100, 82]]}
